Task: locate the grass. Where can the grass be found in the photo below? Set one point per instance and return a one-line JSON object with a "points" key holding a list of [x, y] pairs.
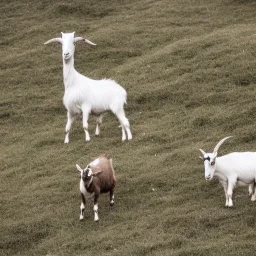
{"points": [[189, 69]]}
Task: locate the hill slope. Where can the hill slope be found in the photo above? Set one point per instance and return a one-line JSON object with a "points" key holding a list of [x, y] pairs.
{"points": [[190, 73]]}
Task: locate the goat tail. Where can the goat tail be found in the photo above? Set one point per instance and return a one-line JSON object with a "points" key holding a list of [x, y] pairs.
{"points": [[107, 155]]}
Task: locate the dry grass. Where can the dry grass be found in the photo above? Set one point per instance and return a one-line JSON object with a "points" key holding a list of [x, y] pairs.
{"points": [[189, 70]]}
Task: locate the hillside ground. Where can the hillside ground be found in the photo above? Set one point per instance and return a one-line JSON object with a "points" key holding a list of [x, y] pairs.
{"points": [[189, 68]]}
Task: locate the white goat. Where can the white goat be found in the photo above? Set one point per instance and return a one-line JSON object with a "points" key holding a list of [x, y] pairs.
{"points": [[237, 167], [87, 96], [98, 177]]}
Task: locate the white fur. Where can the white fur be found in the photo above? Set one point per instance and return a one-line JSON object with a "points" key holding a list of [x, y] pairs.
{"points": [[95, 162], [112, 201], [82, 207], [95, 209], [90, 173], [84, 191], [231, 169], [87, 96]]}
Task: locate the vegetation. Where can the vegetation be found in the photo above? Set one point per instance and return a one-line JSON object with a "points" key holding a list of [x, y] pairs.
{"points": [[189, 68]]}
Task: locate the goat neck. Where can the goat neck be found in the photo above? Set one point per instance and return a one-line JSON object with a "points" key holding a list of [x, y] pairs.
{"points": [[68, 72]]}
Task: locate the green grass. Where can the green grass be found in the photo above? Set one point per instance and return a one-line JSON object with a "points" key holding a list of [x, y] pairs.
{"points": [[189, 68]]}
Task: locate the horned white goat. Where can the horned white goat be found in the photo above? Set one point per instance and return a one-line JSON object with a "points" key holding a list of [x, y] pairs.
{"points": [[236, 167], [98, 177], [85, 96]]}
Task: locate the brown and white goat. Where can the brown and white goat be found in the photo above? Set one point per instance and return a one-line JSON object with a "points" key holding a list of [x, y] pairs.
{"points": [[98, 177]]}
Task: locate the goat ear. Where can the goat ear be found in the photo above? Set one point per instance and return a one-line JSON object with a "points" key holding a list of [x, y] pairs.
{"points": [[97, 173], [79, 168], [201, 157]]}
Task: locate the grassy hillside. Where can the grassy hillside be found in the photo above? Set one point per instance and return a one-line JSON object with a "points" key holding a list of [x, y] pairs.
{"points": [[189, 68]]}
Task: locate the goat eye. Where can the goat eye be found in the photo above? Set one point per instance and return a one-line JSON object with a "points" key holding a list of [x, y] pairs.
{"points": [[212, 163]]}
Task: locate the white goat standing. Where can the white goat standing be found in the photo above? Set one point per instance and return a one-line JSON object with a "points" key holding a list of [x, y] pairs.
{"points": [[87, 96], [237, 167]]}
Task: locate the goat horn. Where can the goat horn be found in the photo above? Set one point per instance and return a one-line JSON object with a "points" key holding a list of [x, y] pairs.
{"points": [[54, 40], [219, 144], [85, 40], [203, 153]]}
